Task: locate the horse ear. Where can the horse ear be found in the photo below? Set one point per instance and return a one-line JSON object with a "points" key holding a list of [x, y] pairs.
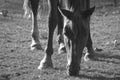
{"points": [[88, 13], [65, 13]]}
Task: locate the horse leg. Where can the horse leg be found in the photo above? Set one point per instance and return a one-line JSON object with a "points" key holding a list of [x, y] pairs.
{"points": [[47, 61], [60, 37], [35, 32], [27, 10], [39, 12], [91, 53]]}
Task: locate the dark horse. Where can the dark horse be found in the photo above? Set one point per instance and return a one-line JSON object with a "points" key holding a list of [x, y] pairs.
{"points": [[72, 18]]}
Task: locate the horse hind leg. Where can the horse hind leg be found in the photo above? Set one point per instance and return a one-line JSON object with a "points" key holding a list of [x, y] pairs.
{"points": [[27, 10], [60, 37], [35, 31], [90, 54]]}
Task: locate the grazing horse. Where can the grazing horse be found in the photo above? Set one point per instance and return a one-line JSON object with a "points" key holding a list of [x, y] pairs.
{"points": [[27, 9], [72, 18]]}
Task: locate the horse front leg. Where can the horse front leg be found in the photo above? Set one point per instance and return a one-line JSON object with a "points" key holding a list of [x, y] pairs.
{"points": [[35, 31], [46, 62]]}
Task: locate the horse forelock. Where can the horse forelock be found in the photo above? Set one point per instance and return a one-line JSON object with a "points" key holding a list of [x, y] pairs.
{"points": [[74, 4]]}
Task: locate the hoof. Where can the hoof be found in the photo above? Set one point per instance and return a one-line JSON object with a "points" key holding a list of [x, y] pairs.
{"points": [[90, 56], [45, 63], [98, 49], [73, 73], [62, 49], [86, 58], [36, 46]]}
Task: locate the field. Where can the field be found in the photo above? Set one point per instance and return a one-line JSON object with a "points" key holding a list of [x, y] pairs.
{"points": [[18, 62]]}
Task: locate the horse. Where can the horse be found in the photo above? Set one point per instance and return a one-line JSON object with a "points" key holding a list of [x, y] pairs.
{"points": [[72, 19], [27, 9]]}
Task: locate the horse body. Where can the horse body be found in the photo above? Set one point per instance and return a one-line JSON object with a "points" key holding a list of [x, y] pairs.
{"points": [[72, 19]]}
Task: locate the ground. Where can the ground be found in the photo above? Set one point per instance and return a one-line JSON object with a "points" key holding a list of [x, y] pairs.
{"points": [[18, 62]]}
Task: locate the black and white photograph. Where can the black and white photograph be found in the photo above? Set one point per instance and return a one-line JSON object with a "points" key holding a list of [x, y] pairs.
{"points": [[59, 39]]}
